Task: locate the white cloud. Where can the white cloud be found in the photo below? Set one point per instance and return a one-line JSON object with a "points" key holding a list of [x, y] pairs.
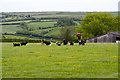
{"points": [[59, 5]]}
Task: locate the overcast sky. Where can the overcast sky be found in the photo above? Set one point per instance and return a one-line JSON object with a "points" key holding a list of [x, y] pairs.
{"points": [[58, 5]]}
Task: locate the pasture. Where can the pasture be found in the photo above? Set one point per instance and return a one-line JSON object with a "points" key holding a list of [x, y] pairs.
{"points": [[41, 31], [55, 32], [36, 60], [16, 37], [10, 28], [41, 24], [15, 22]]}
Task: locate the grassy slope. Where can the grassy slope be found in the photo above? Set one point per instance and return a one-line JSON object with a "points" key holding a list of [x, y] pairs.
{"points": [[16, 37], [41, 30], [40, 61], [35, 25], [41, 24], [15, 22], [78, 24], [54, 33], [9, 28], [0, 60], [59, 15], [1, 15]]}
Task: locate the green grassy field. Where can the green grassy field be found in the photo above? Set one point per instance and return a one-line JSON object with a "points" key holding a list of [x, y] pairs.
{"points": [[1, 15], [15, 22], [35, 25], [10, 28], [40, 31], [36, 60], [16, 37], [54, 33], [0, 60], [59, 15]]}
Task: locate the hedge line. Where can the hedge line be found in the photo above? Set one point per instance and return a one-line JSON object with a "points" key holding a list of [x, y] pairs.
{"points": [[21, 40], [24, 40]]}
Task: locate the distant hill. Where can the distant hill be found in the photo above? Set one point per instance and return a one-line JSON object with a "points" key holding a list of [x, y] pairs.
{"points": [[40, 23]]}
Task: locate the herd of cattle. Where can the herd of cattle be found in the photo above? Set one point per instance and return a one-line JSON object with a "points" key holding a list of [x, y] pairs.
{"points": [[49, 43]]}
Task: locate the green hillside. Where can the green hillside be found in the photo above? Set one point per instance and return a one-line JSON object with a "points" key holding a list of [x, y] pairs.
{"points": [[36, 25], [39, 23], [42, 31], [10, 28], [54, 33]]}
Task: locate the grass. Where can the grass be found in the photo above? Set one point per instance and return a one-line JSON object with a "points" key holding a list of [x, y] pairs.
{"points": [[40, 31], [1, 15], [9, 28], [36, 60], [17, 37], [36, 25], [0, 60], [59, 15], [54, 33], [15, 22], [78, 24]]}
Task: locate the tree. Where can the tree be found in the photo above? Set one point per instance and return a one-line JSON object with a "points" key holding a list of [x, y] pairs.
{"points": [[67, 32], [95, 24], [25, 29], [24, 26], [67, 29], [65, 21]]}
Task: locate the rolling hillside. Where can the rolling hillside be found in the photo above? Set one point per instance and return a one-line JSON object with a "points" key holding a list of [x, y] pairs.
{"points": [[39, 23]]}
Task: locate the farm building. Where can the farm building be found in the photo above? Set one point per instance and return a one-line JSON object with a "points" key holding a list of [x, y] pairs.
{"points": [[111, 37]]}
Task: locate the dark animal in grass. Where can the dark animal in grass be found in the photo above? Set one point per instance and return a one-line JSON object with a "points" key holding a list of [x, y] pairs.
{"points": [[71, 43], [65, 42], [24, 43], [82, 43], [58, 44], [47, 42], [16, 44]]}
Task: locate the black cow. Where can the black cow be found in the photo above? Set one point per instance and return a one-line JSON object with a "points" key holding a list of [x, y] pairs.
{"points": [[65, 42], [58, 44], [47, 42], [23, 43], [71, 43], [16, 44], [82, 43]]}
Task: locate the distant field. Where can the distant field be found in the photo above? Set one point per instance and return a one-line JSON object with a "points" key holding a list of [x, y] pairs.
{"points": [[0, 15], [54, 33], [15, 22], [36, 60], [60, 15], [36, 25], [9, 28], [114, 13], [40, 31], [16, 37]]}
